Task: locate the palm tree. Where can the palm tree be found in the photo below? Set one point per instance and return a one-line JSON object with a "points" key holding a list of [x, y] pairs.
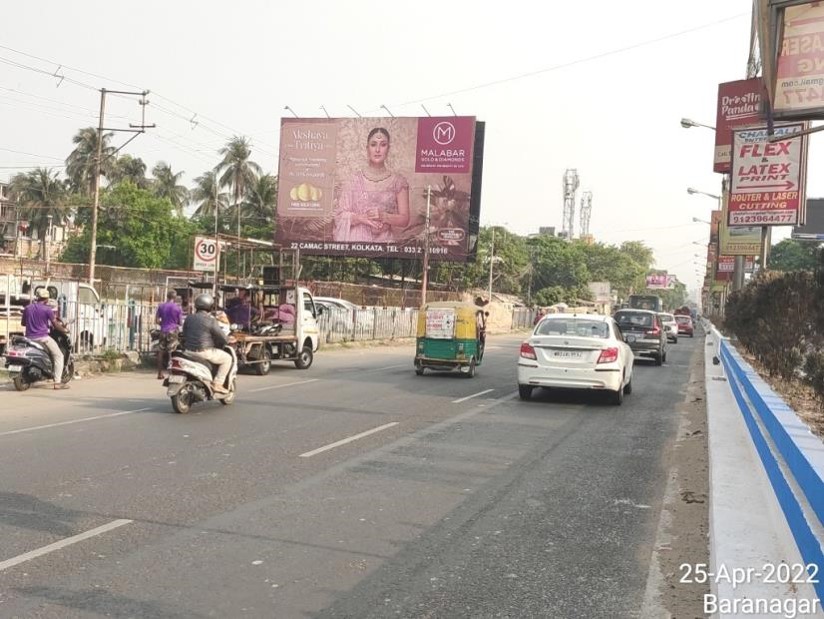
{"points": [[165, 185], [261, 199], [237, 171], [41, 196], [128, 168], [207, 195], [80, 164]]}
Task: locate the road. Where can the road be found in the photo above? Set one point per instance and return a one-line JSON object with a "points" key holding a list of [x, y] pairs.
{"points": [[352, 489]]}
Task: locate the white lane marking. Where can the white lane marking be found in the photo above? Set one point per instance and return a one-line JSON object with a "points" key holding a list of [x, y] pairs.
{"points": [[33, 554], [66, 423], [469, 397], [349, 439], [300, 382], [366, 370]]}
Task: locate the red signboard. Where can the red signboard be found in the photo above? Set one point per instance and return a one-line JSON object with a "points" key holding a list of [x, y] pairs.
{"points": [[767, 178], [799, 84], [739, 104]]}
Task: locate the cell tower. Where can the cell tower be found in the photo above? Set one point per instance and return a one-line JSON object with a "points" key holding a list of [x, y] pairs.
{"points": [[586, 212], [571, 183]]}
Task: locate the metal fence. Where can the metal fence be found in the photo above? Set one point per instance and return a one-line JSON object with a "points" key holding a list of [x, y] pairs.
{"points": [[126, 326]]}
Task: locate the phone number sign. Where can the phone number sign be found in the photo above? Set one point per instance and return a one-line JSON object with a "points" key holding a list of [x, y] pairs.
{"points": [[767, 178], [206, 254]]}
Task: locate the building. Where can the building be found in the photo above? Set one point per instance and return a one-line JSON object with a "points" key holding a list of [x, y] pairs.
{"points": [[16, 236]]}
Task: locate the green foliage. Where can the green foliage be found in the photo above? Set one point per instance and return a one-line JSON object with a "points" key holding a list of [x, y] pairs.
{"points": [[135, 229], [792, 255]]}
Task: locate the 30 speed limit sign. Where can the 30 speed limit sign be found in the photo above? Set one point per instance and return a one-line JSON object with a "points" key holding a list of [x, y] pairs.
{"points": [[206, 254]]}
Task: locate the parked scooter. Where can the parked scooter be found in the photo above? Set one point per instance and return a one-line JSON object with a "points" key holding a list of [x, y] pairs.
{"points": [[190, 381], [29, 362]]}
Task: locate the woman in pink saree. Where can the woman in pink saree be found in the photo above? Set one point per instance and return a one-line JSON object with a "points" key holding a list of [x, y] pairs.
{"points": [[375, 199]]}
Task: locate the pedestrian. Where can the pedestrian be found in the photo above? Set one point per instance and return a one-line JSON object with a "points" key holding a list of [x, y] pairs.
{"points": [[38, 318], [169, 316]]}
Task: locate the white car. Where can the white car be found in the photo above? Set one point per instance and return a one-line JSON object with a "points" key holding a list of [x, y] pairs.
{"points": [[670, 326], [344, 318], [571, 351]]}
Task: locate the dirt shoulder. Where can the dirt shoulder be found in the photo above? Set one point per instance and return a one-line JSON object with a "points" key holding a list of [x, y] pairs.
{"points": [[683, 531]]}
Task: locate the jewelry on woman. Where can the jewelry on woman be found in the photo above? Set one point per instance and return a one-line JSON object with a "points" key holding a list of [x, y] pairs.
{"points": [[376, 175]]}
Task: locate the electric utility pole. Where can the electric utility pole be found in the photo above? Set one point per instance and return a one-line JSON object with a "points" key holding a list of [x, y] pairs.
{"points": [[98, 160]]}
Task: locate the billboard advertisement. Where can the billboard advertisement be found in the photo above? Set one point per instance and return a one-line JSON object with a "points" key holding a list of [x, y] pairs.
{"points": [[661, 281], [359, 186], [813, 228], [737, 241], [799, 73], [767, 178], [739, 104]]}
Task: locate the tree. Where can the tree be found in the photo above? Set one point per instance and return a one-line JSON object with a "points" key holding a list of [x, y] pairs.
{"points": [[166, 185], [129, 168], [42, 195], [793, 255], [80, 164], [207, 195], [261, 199], [139, 229], [237, 171]]}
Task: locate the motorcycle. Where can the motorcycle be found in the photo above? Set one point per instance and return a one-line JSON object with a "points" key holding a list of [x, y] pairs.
{"points": [[190, 381], [29, 362]]}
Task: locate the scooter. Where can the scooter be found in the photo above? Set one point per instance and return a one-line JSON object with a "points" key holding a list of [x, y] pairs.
{"points": [[190, 381], [29, 362]]}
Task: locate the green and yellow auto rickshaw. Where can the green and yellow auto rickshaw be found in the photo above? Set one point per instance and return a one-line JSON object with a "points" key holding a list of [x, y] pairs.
{"points": [[450, 337]]}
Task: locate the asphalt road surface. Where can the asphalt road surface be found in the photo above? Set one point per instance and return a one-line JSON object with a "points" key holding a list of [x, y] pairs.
{"points": [[352, 489]]}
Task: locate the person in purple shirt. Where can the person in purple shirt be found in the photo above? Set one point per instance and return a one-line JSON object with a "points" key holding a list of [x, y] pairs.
{"points": [[38, 318], [170, 317]]}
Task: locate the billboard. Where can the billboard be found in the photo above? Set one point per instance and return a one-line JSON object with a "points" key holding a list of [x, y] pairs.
{"points": [[739, 104], [767, 178], [737, 241], [661, 281], [358, 186], [813, 228], [799, 70]]}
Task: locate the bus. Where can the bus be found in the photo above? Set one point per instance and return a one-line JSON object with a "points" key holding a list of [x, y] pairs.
{"points": [[646, 301]]}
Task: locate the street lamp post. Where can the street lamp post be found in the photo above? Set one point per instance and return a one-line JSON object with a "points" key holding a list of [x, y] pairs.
{"points": [[48, 245]]}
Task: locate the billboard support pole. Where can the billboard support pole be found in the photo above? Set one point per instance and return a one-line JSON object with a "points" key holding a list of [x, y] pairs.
{"points": [[425, 276], [765, 246]]}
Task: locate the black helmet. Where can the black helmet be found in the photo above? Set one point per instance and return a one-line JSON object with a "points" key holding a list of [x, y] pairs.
{"points": [[204, 301]]}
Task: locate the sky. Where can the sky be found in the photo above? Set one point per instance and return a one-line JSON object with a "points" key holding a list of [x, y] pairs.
{"points": [[597, 86]]}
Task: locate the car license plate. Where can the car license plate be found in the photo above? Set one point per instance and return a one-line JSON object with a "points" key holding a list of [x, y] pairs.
{"points": [[177, 378], [567, 354], [15, 369]]}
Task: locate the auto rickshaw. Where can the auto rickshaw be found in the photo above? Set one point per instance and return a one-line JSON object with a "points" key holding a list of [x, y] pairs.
{"points": [[450, 337]]}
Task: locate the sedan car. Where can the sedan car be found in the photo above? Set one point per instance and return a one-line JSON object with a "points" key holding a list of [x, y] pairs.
{"points": [[685, 325], [670, 326], [576, 352], [643, 331]]}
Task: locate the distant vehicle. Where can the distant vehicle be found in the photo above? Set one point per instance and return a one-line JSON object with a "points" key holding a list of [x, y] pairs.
{"points": [[685, 325], [671, 327], [576, 352], [646, 302], [643, 331]]}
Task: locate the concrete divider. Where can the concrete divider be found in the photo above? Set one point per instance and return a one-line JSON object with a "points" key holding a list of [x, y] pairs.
{"points": [[767, 495]]}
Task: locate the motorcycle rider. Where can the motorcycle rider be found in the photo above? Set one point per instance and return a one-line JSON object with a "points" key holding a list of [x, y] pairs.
{"points": [[37, 317], [204, 340]]}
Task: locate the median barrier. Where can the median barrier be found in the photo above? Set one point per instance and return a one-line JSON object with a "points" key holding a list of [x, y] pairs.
{"points": [[766, 494]]}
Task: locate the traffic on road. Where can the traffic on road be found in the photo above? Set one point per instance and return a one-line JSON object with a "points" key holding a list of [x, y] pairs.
{"points": [[430, 496]]}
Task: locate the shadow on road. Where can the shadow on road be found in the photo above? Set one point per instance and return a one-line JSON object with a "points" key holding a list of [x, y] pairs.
{"points": [[28, 512], [106, 604]]}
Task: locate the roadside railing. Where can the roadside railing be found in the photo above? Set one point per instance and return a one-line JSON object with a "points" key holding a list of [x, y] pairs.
{"points": [[123, 326]]}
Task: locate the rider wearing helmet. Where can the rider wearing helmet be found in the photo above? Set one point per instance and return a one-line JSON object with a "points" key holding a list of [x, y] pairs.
{"points": [[204, 340]]}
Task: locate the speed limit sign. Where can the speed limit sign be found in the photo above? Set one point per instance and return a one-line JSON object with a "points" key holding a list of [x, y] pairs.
{"points": [[206, 254]]}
